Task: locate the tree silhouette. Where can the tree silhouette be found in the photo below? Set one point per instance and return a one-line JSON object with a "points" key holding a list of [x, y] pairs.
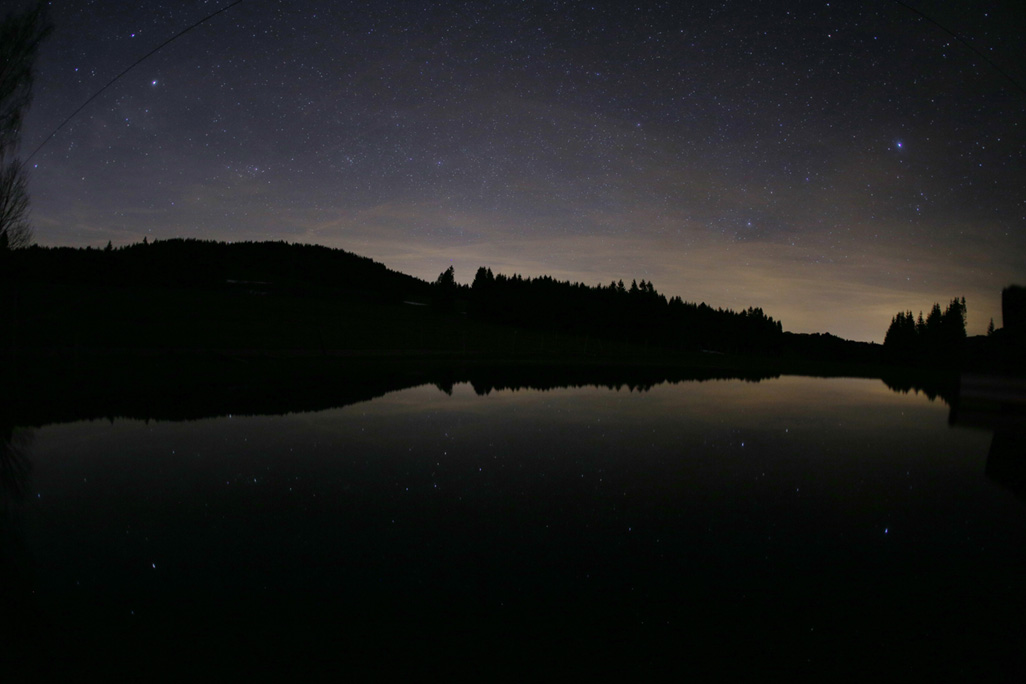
{"points": [[639, 315], [447, 279], [483, 279], [15, 231], [20, 36], [446, 289], [937, 340], [902, 339]]}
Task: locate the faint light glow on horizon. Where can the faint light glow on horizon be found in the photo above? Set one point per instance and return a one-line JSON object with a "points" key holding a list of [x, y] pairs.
{"points": [[486, 135]]}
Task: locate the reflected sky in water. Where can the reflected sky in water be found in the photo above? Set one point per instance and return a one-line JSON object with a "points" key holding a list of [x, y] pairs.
{"points": [[828, 526]]}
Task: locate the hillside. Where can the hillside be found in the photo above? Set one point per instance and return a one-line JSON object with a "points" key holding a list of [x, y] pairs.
{"points": [[192, 296]]}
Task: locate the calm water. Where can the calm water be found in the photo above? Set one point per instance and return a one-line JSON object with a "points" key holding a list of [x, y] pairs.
{"points": [[725, 527]]}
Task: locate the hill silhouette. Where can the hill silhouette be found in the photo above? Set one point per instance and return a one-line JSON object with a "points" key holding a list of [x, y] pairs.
{"points": [[252, 298], [277, 266], [178, 328], [200, 295]]}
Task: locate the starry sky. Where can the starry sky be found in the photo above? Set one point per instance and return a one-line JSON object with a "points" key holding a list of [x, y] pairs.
{"points": [[830, 162]]}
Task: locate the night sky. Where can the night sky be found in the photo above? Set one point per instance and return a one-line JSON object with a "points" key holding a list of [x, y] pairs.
{"points": [[830, 162]]}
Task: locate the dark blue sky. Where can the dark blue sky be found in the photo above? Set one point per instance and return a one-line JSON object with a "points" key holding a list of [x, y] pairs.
{"points": [[832, 163]]}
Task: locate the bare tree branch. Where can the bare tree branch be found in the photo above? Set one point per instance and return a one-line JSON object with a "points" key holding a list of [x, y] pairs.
{"points": [[20, 36], [15, 231]]}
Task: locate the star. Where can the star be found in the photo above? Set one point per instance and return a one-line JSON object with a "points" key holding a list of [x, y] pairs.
{"points": [[605, 144]]}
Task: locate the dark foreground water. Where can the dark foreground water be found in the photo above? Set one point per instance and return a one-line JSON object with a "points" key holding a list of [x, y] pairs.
{"points": [[720, 528]]}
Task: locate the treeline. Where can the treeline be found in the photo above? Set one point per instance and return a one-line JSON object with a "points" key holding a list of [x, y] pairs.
{"points": [[937, 340], [280, 295], [185, 293], [277, 267], [637, 315]]}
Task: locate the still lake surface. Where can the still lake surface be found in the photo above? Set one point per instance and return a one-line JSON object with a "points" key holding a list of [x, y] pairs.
{"points": [[725, 527]]}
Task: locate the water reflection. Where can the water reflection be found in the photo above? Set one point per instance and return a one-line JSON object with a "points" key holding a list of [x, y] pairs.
{"points": [[15, 467], [931, 385], [996, 404], [167, 392], [16, 605], [1006, 463], [719, 528]]}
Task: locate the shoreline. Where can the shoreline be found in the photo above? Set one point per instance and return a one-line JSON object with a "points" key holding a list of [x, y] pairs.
{"points": [[57, 386]]}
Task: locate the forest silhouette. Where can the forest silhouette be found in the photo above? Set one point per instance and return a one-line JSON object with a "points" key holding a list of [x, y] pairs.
{"points": [[193, 294], [939, 339], [186, 295]]}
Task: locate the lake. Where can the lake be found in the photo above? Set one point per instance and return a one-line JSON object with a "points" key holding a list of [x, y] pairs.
{"points": [[717, 528]]}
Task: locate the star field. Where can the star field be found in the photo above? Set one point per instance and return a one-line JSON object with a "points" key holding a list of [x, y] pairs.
{"points": [[832, 163]]}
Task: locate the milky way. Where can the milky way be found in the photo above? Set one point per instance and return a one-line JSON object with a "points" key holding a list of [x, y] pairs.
{"points": [[832, 163]]}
